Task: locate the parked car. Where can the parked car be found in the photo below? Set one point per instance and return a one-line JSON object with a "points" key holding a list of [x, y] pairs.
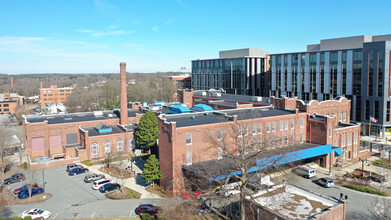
{"points": [[93, 177], [36, 214], [109, 187], [25, 193], [19, 177], [306, 171], [97, 184], [76, 171], [326, 182], [16, 191], [73, 166], [148, 208]]}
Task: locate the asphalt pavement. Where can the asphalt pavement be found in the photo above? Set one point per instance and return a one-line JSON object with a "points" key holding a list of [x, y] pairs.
{"points": [[72, 198]]}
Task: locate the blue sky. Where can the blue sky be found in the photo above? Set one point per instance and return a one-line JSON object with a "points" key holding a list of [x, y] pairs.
{"points": [[93, 36]]}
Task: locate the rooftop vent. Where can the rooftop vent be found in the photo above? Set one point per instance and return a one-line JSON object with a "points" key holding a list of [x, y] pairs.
{"points": [[102, 129], [193, 117], [98, 113]]}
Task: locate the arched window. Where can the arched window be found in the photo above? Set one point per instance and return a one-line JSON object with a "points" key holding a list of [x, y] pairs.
{"points": [[94, 148], [107, 147], [120, 145], [132, 144]]}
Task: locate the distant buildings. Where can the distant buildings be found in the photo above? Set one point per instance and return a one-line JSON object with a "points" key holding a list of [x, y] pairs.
{"points": [[183, 81], [53, 95], [9, 102]]}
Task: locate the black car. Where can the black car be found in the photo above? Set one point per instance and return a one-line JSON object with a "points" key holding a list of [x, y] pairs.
{"points": [[19, 177], [109, 187]]}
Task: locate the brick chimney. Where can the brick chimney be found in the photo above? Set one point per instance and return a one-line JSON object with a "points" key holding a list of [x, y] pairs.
{"points": [[124, 95], [12, 82], [41, 85]]}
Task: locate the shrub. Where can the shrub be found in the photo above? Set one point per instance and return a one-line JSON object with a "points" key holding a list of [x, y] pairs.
{"points": [[87, 162], [28, 218], [15, 218], [146, 216], [25, 165], [365, 189], [382, 163]]}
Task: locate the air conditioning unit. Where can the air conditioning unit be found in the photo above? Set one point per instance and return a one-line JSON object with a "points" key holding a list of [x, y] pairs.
{"points": [[256, 99], [98, 113]]}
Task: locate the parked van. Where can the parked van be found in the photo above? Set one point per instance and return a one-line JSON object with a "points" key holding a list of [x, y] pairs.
{"points": [[306, 171]]}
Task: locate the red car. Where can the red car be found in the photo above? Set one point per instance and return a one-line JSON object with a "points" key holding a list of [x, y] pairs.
{"points": [[148, 208], [187, 195], [16, 191]]}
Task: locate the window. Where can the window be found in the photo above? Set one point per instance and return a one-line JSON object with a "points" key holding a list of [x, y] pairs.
{"points": [[286, 140], [273, 142], [240, 146], [281, 141], [355, 138], [94, 148], [132, 144], [6, 105], [301, 138], [220, 134], [281, 125], [273, 126], [344, 116], [240, 131], [301, 122], [268, 127], [120, 145], [254, 145], [189, 158], [340, 116], [188, 138], [245, 130], [355, 153], [219, 153], [292, 139], [293, 124], [107, 147], [259, 128], [254, 129], [286, 124], [330, 132]]}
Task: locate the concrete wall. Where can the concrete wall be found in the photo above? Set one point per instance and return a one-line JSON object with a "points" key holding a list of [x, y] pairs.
{"points": [[252, 52]]}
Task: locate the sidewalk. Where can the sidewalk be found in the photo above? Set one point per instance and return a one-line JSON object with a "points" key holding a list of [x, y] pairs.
{"points": [[136, 183]]}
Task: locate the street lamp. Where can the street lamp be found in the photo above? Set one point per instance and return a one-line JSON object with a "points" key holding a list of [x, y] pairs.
{"points": [[366, 163]]}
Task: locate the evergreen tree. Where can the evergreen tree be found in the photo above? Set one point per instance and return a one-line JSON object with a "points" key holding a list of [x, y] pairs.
{"points": [[152, 172], [147, 131]]}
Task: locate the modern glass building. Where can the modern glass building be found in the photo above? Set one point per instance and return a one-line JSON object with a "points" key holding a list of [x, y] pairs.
{"points": [[357, 68], [242, 72]]}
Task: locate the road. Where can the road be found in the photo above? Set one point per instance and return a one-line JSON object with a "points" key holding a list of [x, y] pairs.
{"points": [[72, 198], [358, 203]]}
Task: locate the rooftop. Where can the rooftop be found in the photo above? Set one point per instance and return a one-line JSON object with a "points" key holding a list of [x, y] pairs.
{"points": [[291, 202], [79, 117], [218, 95], [92, 132], [201, 118]]}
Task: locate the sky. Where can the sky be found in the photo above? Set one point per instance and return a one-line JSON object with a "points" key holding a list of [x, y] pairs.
{"points": [[94, 36]]}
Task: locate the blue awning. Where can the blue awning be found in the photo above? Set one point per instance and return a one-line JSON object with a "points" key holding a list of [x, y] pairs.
{"points": [[338, 151]]}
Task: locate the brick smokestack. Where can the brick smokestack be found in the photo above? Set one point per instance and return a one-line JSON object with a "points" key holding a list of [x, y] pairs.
{"points": [[41, 85], [124, 95], [12, 82]]}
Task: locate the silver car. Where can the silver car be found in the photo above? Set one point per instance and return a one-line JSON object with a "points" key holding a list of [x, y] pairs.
{"points": [[326, 182]]}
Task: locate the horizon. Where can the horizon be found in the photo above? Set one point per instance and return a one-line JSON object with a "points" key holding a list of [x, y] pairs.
{"points": [[94, 36]]}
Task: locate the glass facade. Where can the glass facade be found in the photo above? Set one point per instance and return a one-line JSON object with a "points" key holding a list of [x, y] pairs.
{"points": [[313, 72], [230, 74], [333, 73]]}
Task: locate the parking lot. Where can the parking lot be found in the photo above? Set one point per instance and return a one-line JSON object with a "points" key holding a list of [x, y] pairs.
{"points": [[72, 198]]}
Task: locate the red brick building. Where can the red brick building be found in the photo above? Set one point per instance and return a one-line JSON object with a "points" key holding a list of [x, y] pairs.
{"points": [[85, 135], [53, 95], [184, 139], [9, 102]]}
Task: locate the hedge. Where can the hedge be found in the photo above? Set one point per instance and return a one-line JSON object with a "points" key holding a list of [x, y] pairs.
{"points": [[365, 189]]}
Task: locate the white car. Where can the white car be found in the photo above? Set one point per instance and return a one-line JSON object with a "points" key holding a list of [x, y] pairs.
{"points": [[97, 184], [36, 214]]}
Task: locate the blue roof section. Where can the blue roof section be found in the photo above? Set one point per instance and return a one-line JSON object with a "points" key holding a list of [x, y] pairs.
{"points": [[179, 109], [202, 108], [159, 102]]}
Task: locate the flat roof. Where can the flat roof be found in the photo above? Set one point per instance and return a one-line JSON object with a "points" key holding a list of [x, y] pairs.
{"points": [[92, 132], [79, 117], [202, 118], [302, 204], [232, 97]]}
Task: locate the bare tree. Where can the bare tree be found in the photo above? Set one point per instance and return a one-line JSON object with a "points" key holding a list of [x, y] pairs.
{"points": [[381, 208], [4, 136], [246, 150], [31, 179], [383, 176]]}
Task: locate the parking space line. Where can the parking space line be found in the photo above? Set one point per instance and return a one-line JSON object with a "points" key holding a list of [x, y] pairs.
{"points": [[92, 215], [131, 212], [55, 216]]}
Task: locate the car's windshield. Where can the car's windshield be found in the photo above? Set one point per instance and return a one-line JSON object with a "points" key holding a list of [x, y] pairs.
{"points": [[40, 211]]}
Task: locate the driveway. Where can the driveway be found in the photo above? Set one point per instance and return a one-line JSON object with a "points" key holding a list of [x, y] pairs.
{"points": [[72, 198]]}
